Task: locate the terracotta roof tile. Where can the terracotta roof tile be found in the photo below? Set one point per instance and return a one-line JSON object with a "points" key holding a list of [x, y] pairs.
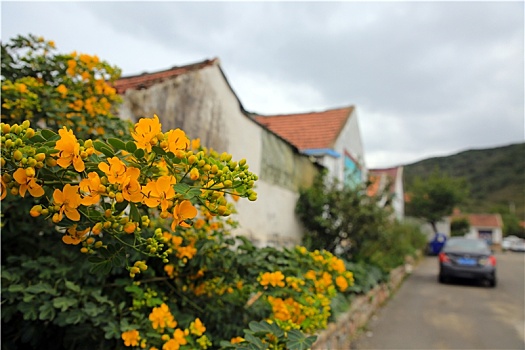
{"points": [[377, 174], [485, 220], [480, 220], [313, 130], [145, 80]]}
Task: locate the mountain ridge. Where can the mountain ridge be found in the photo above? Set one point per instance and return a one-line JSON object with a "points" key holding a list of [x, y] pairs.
{"points": [[495, 176]]}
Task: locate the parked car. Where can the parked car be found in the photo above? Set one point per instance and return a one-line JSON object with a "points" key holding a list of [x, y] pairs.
{"points": [[467, 258], [518, 246], [508, 242]]}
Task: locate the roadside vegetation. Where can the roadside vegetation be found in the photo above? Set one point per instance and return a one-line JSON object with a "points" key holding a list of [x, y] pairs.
{"points": [[119, 236], [359, 228]]}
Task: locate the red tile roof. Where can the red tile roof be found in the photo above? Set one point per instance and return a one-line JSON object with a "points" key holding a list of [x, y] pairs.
{"points": [[145, 80], [479, 220], [376, 175], [485, 220], [313, 130]]}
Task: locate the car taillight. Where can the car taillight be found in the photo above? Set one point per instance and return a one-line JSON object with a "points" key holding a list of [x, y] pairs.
{"points": [[492, 260], [443, 258]]}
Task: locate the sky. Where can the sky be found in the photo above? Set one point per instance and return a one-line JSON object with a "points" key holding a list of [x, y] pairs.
{"points": [[428, 79]]}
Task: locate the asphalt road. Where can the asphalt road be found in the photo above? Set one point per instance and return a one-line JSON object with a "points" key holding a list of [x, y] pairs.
{"points": [[424, 314]]}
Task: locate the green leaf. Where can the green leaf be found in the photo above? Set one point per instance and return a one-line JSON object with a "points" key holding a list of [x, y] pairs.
{"points": [[139, 153], [47, 312], [64, 303], [134, 213], [298, 341], [28, 310], [15, 288], [74, 317], [72, 286], [92, 310], [158, 150], [193, 192], [104, 148], [117, 144], [48, 134], [37, 138], [265, 327], [131, 147], [119, 207], [181, 188], [255, 341], [41, 288]]}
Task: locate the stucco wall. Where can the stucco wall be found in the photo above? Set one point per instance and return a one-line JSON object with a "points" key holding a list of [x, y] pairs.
{"points": [[202, 104], [350, 140]]}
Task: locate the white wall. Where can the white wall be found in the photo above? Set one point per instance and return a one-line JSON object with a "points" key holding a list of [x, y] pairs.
{"points": [[350, 139], [210, 110]]}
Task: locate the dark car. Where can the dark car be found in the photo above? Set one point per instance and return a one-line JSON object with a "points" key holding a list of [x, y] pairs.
{"points": [[467, 258]]}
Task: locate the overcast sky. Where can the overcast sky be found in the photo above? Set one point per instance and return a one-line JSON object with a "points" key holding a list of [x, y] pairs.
{"points": [[428, 78]]}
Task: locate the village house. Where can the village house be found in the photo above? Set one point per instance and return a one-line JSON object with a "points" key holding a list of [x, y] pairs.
{"points": [[485, 226], [198, 99], [389, 183], [330, 137]]}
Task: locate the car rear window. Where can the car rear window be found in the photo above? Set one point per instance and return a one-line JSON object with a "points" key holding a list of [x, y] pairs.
{"points": [[466, 245]]}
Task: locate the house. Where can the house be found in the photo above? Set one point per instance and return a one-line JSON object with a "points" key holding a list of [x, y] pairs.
{"points": [[330, 137], [389, 181], [198, 99], [486, 226]]}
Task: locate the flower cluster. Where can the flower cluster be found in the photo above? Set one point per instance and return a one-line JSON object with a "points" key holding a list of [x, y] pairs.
{"points": [[171, 337], [96, 190]]}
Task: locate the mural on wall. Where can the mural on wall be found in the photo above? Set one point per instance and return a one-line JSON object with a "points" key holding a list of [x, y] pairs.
{"points": [[353, 173]]}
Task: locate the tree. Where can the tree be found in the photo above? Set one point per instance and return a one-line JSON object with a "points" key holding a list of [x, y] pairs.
{"points": [[435, 197], [459, 226], [339, 218]]}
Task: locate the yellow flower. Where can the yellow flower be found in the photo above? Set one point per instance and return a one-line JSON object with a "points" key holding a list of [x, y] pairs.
{"points": [[62, 90], [131, 189], [338, 265], [183, 211], [341, 282], [197, 327], [115, 171], [177, 140], [146, 131], [161, 317], [195, 143], [69, 150], [68, 200], [159, 192], [131, 338], [27, 181], [3, 189], [237, 340], [91, 186], [74, 237], [179, 338], [275, 279]]}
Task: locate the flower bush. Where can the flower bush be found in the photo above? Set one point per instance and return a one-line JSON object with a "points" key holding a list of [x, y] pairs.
{"points": [[120, 236]]}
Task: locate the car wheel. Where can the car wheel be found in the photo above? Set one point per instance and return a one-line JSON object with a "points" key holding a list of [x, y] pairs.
{"points": [[441, 279], [492, 283]]}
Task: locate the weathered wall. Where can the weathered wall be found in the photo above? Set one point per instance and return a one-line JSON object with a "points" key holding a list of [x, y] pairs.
{"points": [[202, 104]]}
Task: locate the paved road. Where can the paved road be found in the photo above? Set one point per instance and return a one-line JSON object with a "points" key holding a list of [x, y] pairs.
{"points": [[424, 314]]}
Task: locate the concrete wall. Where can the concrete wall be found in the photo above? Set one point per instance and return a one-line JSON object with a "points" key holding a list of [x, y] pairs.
{"points": [[203, 105]]}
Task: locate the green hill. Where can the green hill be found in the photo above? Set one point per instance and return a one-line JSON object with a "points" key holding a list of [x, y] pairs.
{"points": [[496, 177]]}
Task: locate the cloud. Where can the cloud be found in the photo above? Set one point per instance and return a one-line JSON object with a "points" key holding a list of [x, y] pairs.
{"points": [[427, 77]]}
